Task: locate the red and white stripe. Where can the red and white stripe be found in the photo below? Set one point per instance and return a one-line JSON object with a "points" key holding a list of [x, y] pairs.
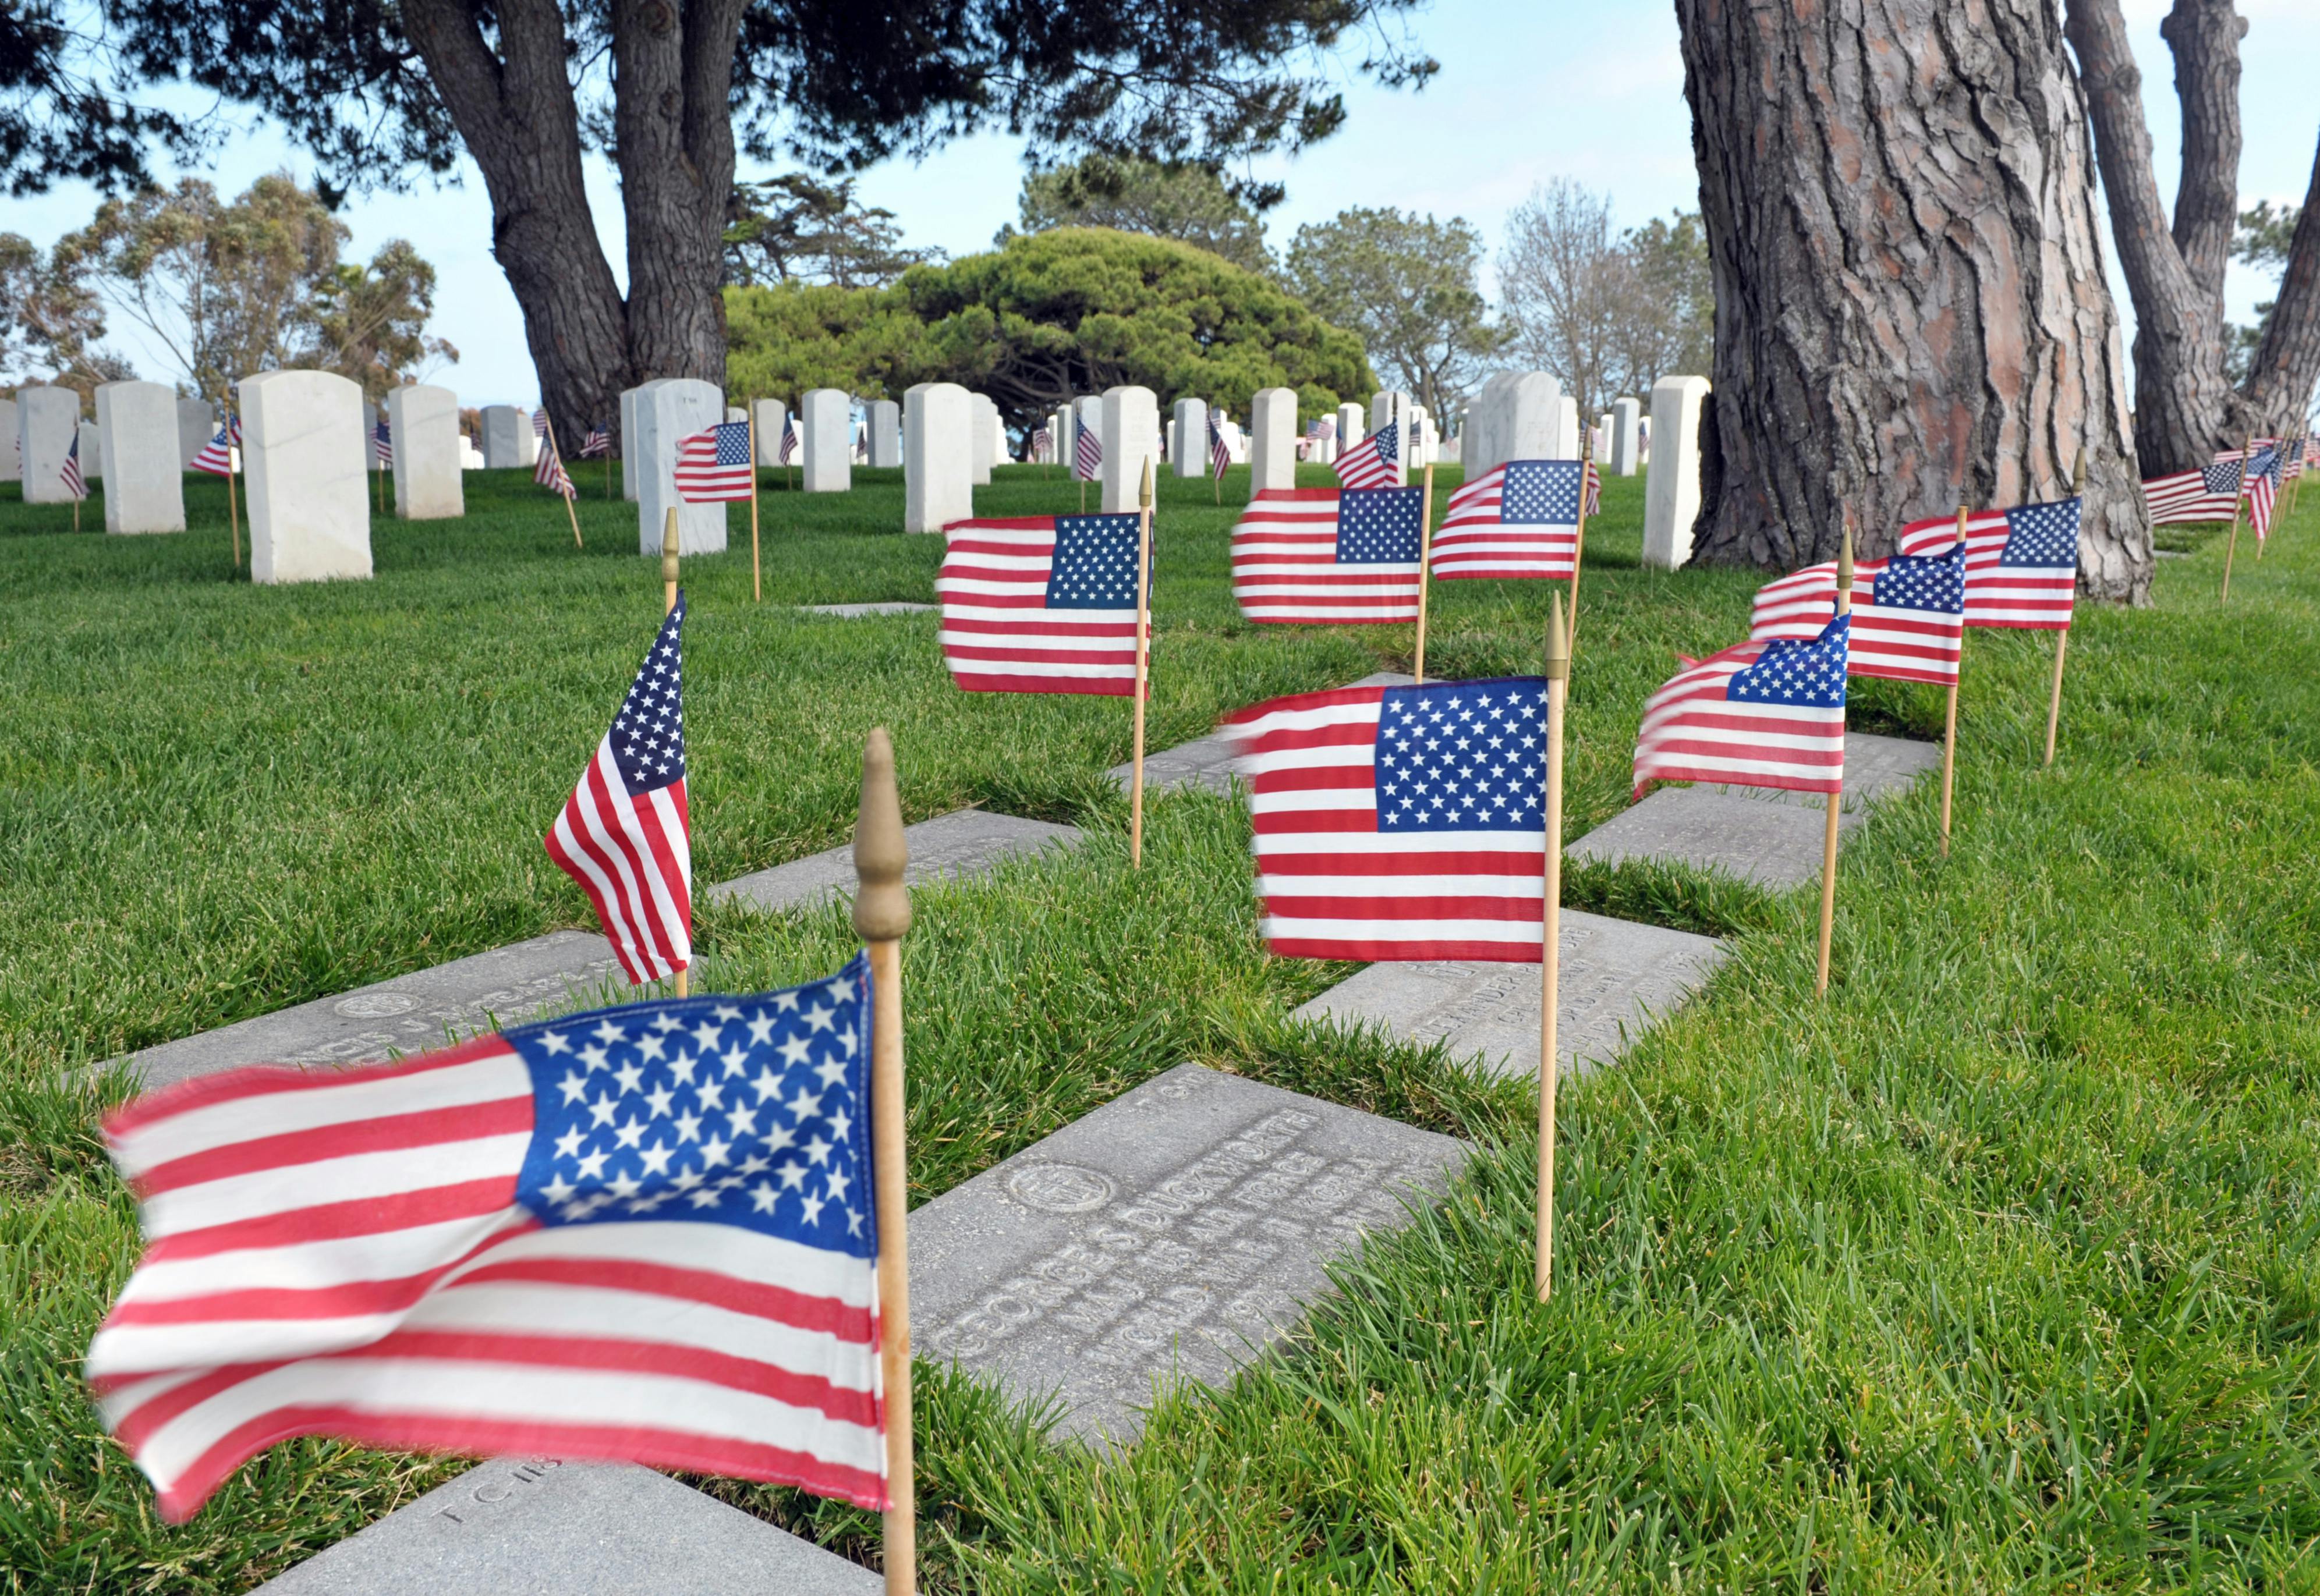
{"points": [[1898, 644], [1691, 732], [341, 1253], [1333, 887], [2184, 497], [2037, 598], [1366, 464], [216, 456], [633, 857], [701, 480], [1285, 569], [1472, 542], [998, 634], [549, 470]]}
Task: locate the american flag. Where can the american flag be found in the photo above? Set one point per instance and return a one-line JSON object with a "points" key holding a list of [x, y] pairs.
{"points": [[1326, 556], [1087, 453], [2211, 493], [2021, 563], [789, 447], [75, 483], [539, 422], [1401, 822], [548, 471], [1909, 614], [1042, 443], [1759, 714], [217, 455], [623, 835], [598, 442], [382, 445], [1520, 519], [1219, 452], [713, 467], [1041, 604], [1373, 461], [2263, 474], [642, 1233]]}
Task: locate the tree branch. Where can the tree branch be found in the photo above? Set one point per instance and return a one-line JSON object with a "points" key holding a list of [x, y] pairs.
{"points": [[2205, 37], [2288, 361]]}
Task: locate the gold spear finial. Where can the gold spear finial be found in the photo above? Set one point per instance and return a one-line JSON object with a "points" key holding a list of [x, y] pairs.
{"points": [[882, 904], [1558, 642]]}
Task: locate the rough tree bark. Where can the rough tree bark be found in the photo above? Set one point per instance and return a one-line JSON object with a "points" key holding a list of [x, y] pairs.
{"points": [[2288, 361], [516, 113], [1910, 305]]}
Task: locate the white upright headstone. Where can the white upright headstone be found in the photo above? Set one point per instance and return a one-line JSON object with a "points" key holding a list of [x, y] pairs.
{"points": [[734, 412], [937, 439], [669, 409], [1566, 428], [885, 435], [1188, 436], [145, 490], [306, 453], [1131, 438], [632, 473], [984, 430], [92, 451], [47, 421], [1672, 492], [196, 425], [772, 415], [1388, 406], [424, 423], [1353, 425], [1599, 440], [508, 441], [11, 470], [1517, 416], [1271, 440], [827, 440], [1420, 452], [1623, 456]]}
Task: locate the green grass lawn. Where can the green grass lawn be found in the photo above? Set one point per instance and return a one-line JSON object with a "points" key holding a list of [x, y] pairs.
{"points": [[1995, 1271]]}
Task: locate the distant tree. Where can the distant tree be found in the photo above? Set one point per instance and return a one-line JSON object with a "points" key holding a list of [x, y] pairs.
{"points": [[1406, 286], [50, 318], [1168, 199], [69, 111], [799, 229], [795, 336], [370, 323], [1669, 328]]}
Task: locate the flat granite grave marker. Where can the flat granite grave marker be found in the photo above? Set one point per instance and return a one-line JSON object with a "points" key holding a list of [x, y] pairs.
{"points": [[536, 1527], [1166, 1237], [1617, 977], [963, 842]]}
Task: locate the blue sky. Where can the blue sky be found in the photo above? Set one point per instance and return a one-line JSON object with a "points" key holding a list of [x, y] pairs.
{"points": [[1526, 93]]}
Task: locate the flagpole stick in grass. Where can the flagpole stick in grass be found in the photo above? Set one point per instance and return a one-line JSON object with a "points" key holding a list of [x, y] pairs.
{"points": [[2062, 638], [1835, 799], [1143, 667], [232, 514], [1949, 722], [1425, 552], [570, 511], [882, 915], [2247, 447], [1558, 682], [668, 583], [757, 574], [1578, 534]]}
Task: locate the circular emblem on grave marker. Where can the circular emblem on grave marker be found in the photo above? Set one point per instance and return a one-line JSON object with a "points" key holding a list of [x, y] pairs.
{"points": [[1059, 1188], [375, 1005]]}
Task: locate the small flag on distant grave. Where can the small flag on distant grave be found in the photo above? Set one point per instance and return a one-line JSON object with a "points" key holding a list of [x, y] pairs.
{"points": [[1328, 556], [1909, 614], [382, 446], [789, 440], [1040, 604], [1759, 714], [2021, 564], [1373, 462], [1087, 454], [1520, 519], [548, 471], [539, 422], [713, 467], [75, 483], [624, 834], [597, 444], [216, 456], [1220, 453], [1042, 443], [1401, 822]]}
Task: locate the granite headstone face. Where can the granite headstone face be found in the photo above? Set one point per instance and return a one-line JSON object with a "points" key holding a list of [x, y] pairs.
{"points": [[983, 432], [145, 489], [1168, 1236], [937, 438], [11, 463], [1271, 440], [507, 440], [885, 435], [1353, 425], [668, 410], [305, 462], [1132, 439], [632, 468], [827, 440], [1188, 436], [196, 425], [91, 451], [1625, 457], [1672, 492], [47, 420], [1566, 428], [769, 416], [423, 421]]}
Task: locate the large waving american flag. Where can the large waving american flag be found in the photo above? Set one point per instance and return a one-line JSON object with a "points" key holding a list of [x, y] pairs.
{"points": [[1520, 519], [2208, 493], [713, 466], [1401, 822], [2021, 564], [1374, 461], [1325, 556], [1759, 714], [644, 1233], [624, 835], [217, 455], [1909, 614], [1043, 603]]}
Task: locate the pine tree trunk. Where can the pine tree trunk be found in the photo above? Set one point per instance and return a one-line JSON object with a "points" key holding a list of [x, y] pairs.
{"points": [[2287, 365], [1910, 305]]}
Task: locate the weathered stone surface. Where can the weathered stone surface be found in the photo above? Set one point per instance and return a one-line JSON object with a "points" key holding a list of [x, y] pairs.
{"points": [[405, 1015], [196, 425], [423, 421], [1188, 436], [1271, 440], [1517, 416], [509, 442], [1353, 425], [146, 490], [1166, 1237], [893, 607], [669, 410], [305, 463], [518, 1527], [631, 470], [938, 441], [11, 468], [963, 842], [1566, 428], [1206, 761], [1672, 492], [983, 441], [1132, 439], [885, 435], [1616, 977], [1626, 444], [92, 451], [769, 416], [827, 440]]}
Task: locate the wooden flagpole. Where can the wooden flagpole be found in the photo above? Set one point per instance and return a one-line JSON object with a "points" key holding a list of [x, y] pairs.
{"points": [[232, 515], [572, 514], [1143, 667], [1216, 477], [756, 573], [669, 584], [1835, 799], [1425, 552], [1949, 719], [1579, 533], [1550, 1064], [2062, 638], [882, 916], [2232, 546]]}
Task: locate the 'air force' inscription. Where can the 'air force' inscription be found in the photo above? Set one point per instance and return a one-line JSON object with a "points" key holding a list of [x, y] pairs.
{"points": [[1168, 1236]]}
